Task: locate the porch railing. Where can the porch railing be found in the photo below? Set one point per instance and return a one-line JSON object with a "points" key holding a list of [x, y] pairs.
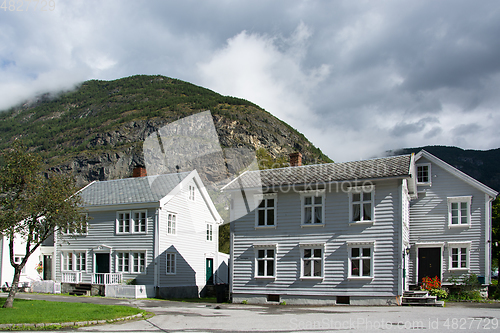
{"points": [[72, 277], [106, 278]]}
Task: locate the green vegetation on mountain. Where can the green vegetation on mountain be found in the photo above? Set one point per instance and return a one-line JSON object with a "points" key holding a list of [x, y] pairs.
{"points": [[69, 123]]}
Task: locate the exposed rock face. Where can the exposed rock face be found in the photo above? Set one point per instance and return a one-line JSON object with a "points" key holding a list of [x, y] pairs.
{"points": [[114, 154]]}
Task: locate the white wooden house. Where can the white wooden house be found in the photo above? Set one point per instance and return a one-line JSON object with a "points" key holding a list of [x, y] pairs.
{"points": [[155, 231], [344, 233]]}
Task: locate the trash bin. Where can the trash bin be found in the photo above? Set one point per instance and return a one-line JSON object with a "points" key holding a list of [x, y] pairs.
{"points": [[220, 292]]}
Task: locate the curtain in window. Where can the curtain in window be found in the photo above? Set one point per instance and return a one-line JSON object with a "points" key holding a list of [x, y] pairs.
{"points": [[318, 214], [308, 215]]}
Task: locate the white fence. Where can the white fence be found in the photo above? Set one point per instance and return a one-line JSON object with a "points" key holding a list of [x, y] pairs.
{"points": [[106, 278]]}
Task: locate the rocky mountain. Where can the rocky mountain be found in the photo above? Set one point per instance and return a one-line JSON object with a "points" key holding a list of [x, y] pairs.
{"points": [[481, 165], [96, 131]]}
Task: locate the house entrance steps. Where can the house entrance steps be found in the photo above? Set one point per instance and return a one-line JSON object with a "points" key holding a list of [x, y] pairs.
{"points": [[420, 298]]}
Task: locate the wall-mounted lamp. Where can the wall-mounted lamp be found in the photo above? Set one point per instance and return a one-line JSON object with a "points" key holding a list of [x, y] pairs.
{"points": [[407, 251]]}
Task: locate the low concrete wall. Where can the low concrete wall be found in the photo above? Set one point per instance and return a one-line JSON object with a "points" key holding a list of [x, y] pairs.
{"points": [[48, 287], [130, 291]]}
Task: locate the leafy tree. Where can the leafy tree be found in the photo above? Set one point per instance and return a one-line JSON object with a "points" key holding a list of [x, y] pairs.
{"points": [[33, 205], [495, 235]]}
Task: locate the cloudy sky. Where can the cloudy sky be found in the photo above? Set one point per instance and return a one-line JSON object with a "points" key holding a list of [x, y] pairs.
{"points": [[356, 77]]}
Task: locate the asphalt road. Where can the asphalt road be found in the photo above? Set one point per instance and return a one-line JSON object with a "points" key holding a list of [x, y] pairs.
{"points": [[201, 317]]}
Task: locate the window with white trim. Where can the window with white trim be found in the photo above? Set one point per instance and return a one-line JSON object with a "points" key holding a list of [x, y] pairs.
{"points": [[423, 173], [131, 222], [312, 261], [265, 261], [138, 262], [459, 256], [209, 232], [80, 261], [171, 263], [17, 260], [139, 222], [191, 192], [171, 223], [459, 211], [265, 214], [123, 223], [123, 262], [362, 204], [360, 263], [313, 208], [67, 258]]}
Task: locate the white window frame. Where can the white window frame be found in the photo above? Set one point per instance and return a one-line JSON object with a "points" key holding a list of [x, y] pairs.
{"points": [[361, 257], [303, 205], [76, 261], [171, 223], [67, 231], [459, 200], [18, 258], [172, 258], [265, 259], [121, 262], [429, 178], [312, 258], [136, 223], [191, 192], [138, 256], [361, 202], [132, 222], [210, 228], [459, 246], [259, 199]]}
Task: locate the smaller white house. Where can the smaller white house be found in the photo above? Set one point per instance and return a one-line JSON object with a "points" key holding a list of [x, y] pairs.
{"points": [[158, 232], [41, 259]]}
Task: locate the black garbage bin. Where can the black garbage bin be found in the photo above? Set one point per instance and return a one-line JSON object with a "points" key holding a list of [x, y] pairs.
{"points": [[220, 292]]}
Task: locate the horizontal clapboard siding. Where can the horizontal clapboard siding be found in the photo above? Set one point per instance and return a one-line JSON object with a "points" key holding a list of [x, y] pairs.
{"points": [[429, 221], [101, 232], [335, 234]]}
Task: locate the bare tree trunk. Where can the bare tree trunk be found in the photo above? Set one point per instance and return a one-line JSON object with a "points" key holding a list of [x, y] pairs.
{"points": [[9, 302]]}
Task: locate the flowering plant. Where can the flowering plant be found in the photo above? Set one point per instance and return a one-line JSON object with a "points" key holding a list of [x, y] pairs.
{"points": [[431, 283], [39, 267]]}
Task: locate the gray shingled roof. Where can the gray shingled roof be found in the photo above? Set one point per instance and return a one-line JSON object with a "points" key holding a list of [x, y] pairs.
{"points": [[395, 166], [130, 190]]}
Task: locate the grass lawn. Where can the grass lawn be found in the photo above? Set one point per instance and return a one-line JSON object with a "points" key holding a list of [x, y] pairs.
{"points": [[34, 311]]}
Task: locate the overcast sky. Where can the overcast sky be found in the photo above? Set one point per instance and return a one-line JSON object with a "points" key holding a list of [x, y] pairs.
{"points": [[356, 77]]}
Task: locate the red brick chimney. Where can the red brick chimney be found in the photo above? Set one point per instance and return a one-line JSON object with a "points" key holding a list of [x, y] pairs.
{"points": [[139, 171], [295, 159]]}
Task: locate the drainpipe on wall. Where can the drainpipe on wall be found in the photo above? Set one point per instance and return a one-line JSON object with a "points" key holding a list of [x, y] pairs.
{"points": [[156, 249]]}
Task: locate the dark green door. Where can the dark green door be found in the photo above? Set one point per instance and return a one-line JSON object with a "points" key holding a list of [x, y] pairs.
{"points": [[429, 262], [210, 271], [47, 267], [102, 263]]}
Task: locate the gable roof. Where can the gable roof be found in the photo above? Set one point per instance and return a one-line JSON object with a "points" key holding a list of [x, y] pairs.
{"points": [[130, 190], [387, 167], [454, 171]]}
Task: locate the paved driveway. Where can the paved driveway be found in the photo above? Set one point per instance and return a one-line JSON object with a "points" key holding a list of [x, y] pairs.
{"points": [[197, 317]]}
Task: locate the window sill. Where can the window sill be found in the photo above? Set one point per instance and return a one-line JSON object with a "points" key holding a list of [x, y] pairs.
{"points": [[128, 233], [458, 269], [315, 278], [453, 226], [361, 222], [360, 278], [265, 227], [265, 277], [312, 225], [424, 184]]}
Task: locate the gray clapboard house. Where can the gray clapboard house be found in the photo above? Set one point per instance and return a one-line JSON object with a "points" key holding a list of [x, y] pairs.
{"points": [[345, 232], [157, 231], [450, 223]]}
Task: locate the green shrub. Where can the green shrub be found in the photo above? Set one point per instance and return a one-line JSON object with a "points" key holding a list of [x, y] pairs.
{"points": [[440, 293]]}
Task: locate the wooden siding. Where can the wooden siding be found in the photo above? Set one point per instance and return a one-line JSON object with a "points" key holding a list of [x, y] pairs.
{"points": [[429, 221], [189, 243], [101, 232], [288, 234]]}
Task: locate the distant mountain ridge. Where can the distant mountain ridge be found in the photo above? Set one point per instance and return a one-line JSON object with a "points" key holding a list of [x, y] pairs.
{"points": [[483, 165]]}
